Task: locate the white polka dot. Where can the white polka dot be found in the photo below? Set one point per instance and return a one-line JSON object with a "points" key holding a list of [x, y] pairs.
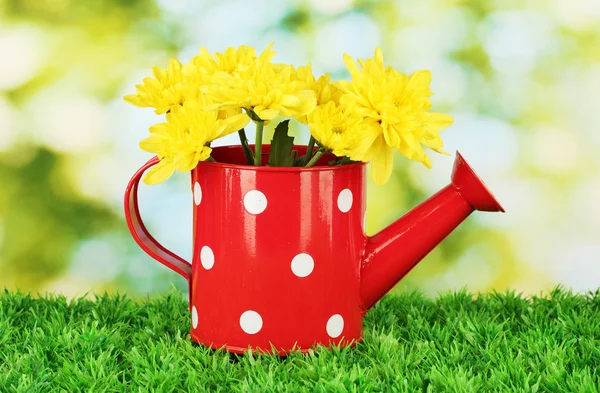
{"points": [[255, 202], [302, 265], [345, 200], [335, 325], [251, 322], [197, 193], [207, 257], [194, 317]]}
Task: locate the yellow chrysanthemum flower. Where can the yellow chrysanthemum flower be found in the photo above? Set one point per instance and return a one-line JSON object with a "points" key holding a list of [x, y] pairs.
{"points": [[181, 142], [325, 91], [202, 67], [263, 87], [335, 127], [395, 108], [323, 88], [163, 92]]}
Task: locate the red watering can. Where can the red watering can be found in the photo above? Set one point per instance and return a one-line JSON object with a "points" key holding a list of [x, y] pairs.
{"points": [[281, 260]]}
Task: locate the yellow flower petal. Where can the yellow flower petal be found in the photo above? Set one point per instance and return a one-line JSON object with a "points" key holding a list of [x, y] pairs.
{"points": [[159, 73], [352, 67], [391, 137], [383, 161], [439, 121], [236, 122], [425, 161], [410, 146], [134, 100], [185, 161], [204, 154], [290, 100], [217, 131], [378, 56], [267, 114], [152, 144], [419, 79], [213, 107], [174, 70], [160, 172], [369, 132]]}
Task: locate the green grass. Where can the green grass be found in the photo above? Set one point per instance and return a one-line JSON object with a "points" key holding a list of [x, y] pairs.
{"points": [[456, 343]]}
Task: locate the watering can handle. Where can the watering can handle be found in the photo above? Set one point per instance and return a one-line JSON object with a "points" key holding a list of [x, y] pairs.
{"points": [[141, 235]]}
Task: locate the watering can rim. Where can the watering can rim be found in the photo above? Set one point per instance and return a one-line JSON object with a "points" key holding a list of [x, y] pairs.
{"points": [[265, 152]]}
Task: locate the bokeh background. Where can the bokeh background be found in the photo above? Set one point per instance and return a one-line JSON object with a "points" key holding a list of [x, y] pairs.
{"points": [[521, 78]]}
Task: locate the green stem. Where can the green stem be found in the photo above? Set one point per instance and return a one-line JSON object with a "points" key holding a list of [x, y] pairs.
{"points": [[246, 147], [315, 158], [309, 150], [211, 159], [258, 145]]}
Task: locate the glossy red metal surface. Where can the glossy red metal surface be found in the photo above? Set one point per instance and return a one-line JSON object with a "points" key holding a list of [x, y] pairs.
{"points": [[394, 251], [276, 254], [140, 233], [281, 261]]}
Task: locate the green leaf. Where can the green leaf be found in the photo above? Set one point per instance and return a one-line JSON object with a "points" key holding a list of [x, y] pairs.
{"points": [[281, 146], [341, 161], [298, 161], [345, 160]]}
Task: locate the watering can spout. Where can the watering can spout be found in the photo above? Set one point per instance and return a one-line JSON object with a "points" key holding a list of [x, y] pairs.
{"points": [[393, 252]]}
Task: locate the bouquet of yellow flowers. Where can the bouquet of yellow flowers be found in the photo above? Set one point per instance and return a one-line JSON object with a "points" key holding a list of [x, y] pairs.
{"points": [[364, 119]]}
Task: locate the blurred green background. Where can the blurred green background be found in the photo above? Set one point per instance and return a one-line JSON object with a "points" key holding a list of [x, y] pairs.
{"points": [[521, 78]]}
